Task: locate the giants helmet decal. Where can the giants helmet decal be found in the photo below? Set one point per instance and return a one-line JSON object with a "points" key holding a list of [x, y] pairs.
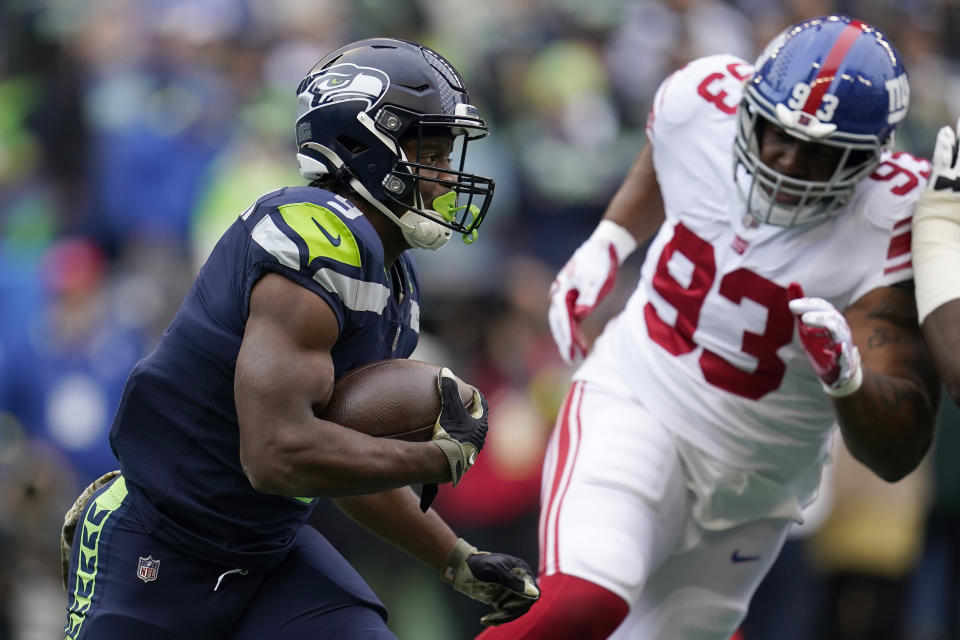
{"points": [[830, 80]]}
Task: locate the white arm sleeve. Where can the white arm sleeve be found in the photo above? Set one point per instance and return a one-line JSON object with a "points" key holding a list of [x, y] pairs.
{"points": [[936, 251]]}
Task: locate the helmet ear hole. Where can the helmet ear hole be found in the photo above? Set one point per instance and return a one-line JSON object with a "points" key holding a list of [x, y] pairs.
{"points": [[352, 145]]}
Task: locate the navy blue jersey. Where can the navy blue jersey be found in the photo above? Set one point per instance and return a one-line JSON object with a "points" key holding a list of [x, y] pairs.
{"points": [[176, 432]]}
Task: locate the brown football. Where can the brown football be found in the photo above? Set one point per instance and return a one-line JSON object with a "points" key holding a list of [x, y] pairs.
{"points": [[394, 398]]}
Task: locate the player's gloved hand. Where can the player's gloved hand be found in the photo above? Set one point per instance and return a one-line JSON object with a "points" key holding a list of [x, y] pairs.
{"points": [[459, 432], [502, 581], [944, 183], [583, 282], [828, 343], [72, 518]]}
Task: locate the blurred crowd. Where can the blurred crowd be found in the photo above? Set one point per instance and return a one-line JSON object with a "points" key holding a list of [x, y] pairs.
{"points": [[132, 132]]}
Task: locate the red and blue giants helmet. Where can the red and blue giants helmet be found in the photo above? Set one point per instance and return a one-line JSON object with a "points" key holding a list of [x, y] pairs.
{"points": [[831, 80]]}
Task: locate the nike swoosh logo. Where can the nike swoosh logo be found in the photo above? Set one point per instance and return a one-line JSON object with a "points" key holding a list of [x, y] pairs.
{"points": [[334, 241], [736, 558]]}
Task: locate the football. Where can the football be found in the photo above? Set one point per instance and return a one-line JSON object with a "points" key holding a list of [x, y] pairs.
{"points": [[394, 398]]}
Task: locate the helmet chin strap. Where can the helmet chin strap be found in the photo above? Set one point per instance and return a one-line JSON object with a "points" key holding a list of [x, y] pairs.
{"points": [[419, 231], [426, 233]]}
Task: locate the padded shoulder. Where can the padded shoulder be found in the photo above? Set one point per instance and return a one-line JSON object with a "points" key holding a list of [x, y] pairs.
{"points": [[888, 196], [322, 242], [305, 228], [884, 202], [703, 90]]}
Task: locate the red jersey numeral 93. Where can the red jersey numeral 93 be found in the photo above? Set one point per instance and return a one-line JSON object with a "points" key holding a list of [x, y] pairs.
{"points": [[687, 299]]}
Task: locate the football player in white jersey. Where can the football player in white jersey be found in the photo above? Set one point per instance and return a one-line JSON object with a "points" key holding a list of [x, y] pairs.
{"points": [[775, 301], [936, 251]]}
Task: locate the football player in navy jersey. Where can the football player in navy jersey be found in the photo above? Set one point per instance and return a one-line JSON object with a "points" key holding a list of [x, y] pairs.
{"points": [[222, 455]]}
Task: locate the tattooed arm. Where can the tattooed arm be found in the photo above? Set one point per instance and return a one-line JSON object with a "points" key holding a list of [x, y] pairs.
{"points": [[888, 423]]}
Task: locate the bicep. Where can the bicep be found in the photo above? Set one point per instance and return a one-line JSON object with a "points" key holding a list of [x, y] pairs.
{"points": [[284, 371], [638, 206], [885, 329]]}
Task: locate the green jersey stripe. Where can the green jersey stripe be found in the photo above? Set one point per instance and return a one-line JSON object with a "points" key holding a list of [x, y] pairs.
{"points": [[88, 559], [325, 235]]}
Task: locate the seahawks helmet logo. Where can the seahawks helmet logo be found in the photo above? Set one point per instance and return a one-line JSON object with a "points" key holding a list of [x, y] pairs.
{"points": [[343, 82]]}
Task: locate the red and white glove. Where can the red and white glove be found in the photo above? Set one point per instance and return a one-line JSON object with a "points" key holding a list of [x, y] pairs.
{"points": [[583, 282], [828, 343]]}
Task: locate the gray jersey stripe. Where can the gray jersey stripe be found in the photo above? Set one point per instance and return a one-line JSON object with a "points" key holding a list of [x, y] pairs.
{"points": [[346, 209], [357, 295], [269, 236], [415, 316], [253, 207]]}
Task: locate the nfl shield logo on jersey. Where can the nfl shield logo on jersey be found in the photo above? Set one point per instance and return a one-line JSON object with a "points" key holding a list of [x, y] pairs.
{"points": [[147, 569]]}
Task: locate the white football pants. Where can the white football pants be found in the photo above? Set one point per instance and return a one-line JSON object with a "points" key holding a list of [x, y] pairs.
{"points": [[616, 510]]}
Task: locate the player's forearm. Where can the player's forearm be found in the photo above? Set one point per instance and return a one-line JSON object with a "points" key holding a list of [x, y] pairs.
{"points": [[941, 330], [936, 259], [887, 424], [395, 516], [637, 205], [327, 460]]}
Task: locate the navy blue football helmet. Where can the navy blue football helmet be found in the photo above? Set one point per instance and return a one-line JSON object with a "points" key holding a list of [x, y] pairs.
{"points": [[830, 80], [356, 106]]}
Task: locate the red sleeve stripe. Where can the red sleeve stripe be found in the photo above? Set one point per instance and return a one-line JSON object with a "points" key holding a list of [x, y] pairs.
{"points": [[828, 72], [900, 267], [564, 446], [903, 223], [899, 245]]}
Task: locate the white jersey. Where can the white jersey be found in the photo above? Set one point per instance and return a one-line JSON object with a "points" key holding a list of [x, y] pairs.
{"points": [[707, 342]]}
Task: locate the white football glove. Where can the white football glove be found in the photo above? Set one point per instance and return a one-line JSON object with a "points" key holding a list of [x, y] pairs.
{"points": [[583, 282], [828, 343], [936, 229]]}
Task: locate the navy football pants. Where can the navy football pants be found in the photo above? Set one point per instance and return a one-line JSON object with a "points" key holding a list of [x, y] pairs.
{"points": [[125, 583]]}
